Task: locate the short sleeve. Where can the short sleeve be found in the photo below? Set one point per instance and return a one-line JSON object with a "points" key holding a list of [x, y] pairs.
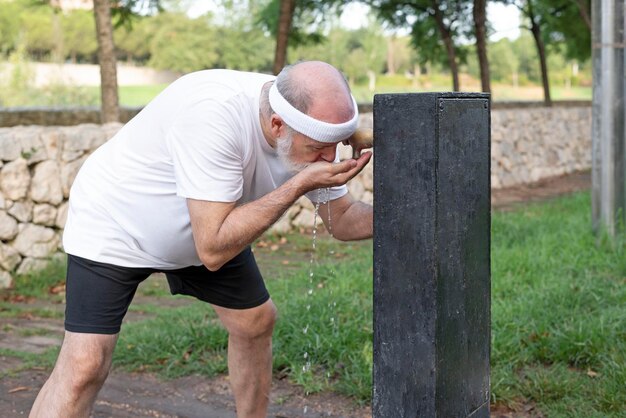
{"points": [[326, 195], [206, 151]]}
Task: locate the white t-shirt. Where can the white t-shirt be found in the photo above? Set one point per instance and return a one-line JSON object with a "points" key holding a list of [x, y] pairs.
{"points": [[200, 138]]}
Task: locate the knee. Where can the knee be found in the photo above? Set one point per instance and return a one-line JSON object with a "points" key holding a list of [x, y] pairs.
{"points": [[258, 325], [87, 370]]}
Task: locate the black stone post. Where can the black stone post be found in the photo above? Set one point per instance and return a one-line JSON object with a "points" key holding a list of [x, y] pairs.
{"points": [[431, 255]]}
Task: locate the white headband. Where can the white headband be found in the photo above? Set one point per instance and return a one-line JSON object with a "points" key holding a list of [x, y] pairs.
{"points": [[311, 127]]}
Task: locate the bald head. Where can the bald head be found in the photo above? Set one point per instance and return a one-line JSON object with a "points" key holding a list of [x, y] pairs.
{"points": [[317, 89]]}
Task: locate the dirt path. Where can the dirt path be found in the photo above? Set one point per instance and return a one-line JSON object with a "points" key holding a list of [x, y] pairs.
{"points": [[509, 198], [127, 395], [145, 395]]}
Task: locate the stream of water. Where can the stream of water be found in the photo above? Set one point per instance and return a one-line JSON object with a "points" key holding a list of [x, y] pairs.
{"points": [[306, 368]]}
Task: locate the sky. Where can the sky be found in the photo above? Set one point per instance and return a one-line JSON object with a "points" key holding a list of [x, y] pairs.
{"points": [[504, 19]]}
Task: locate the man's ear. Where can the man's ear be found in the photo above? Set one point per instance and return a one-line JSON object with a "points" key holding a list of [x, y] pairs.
{"points": [[276, 125]]}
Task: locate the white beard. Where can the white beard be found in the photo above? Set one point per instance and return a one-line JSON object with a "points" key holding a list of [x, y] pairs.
{"points": [[283, 149]]}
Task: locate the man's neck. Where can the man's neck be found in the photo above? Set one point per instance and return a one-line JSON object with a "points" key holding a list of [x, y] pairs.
{"points": [[265, 128]]}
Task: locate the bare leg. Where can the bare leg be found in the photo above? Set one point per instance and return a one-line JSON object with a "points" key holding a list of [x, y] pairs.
{"points": [[80, 371], [250, 356]]}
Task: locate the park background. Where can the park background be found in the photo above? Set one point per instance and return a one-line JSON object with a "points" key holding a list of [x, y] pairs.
{"points": [[558, 328], [384, 47]]}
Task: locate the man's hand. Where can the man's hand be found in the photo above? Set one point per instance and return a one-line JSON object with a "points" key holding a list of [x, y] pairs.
{"points": [[322, 174]]}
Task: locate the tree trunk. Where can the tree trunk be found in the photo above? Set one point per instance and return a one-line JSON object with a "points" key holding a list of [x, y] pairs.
{"points": [[391, 65], [108, 66], [285, 18], [447, 40], [371, 75], [480, 13], [583, 9], [536, 31]]}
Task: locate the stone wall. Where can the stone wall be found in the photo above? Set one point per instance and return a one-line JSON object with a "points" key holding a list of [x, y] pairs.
{"points": [[533, 144], [47, 116], [67, 116], [38, 165]]}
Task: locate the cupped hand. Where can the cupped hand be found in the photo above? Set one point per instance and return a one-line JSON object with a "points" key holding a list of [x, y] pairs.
{"points": [[322, 174]]}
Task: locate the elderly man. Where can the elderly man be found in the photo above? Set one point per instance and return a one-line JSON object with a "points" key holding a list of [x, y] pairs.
{"points": [[184, 188]]}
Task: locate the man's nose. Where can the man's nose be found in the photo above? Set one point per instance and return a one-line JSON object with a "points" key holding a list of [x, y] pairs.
{"points": [[328, 155]]}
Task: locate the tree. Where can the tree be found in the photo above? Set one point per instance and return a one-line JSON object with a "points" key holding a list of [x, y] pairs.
{"points": [[76, 25], [285, 18], [244, 49], [295, 22], [242, 45], [503, 62], [535, 28], [535, 12], [360, 54], [479, 12], [402, 57], [567, 24], [124, 11], [133, 43], [37, 31], [436, 26], [526, 52], [584, 10], [9, 26], [108, 64], [183, 44]]}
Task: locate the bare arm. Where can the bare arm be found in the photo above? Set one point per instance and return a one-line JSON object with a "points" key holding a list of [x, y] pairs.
{"points": [[222, 230], [350, 219]]}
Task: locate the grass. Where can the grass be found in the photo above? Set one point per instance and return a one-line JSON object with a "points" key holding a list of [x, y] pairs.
{"points": [[499, 92], [141, 95], [36, 285], [338, 328], [138, 96], [558, 317], [558, 320]]}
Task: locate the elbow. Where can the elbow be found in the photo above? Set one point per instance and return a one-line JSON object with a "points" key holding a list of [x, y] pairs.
{"points": [[339, 236], [212, 261]]}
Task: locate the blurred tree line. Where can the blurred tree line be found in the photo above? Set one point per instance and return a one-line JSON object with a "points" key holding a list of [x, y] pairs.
{"points": [[173, 41], [441, 36]]}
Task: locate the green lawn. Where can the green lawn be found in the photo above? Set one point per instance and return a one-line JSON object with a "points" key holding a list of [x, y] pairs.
{"points": [[558, 316], [559, 323], [140, 95]]}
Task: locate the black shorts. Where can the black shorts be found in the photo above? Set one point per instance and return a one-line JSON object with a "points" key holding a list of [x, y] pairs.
{"points": [[98, 294]]}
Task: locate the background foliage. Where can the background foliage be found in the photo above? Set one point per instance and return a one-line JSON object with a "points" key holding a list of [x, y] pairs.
{"points": [[237, 36]]}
